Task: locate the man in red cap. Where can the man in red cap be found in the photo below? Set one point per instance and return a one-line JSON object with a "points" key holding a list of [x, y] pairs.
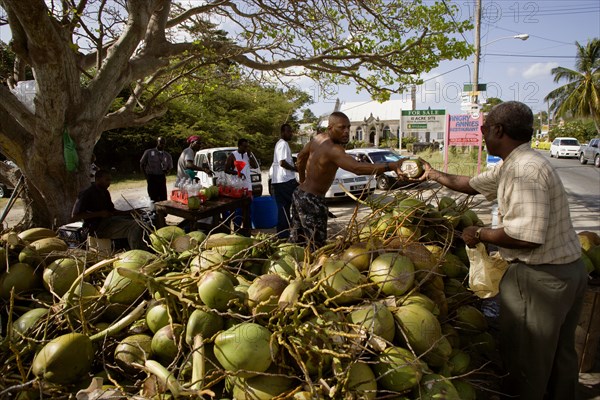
{"points": [[186, 168]]}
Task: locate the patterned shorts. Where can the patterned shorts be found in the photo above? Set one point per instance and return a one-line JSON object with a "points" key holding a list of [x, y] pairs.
{"points": [[309, 219]]}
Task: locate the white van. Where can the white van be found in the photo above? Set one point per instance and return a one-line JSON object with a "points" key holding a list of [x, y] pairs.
{"points": [[564, 147], [215, 159]]}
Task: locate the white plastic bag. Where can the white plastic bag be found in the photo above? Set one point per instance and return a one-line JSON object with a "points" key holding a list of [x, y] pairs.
{"points": [[485, 271]]}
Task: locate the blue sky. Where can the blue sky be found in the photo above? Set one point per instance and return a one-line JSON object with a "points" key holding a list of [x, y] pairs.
{"points": [[513, 69]]}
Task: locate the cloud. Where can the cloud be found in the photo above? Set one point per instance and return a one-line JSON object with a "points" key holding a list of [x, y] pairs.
{"points": [[538, 70], [512, 71]]}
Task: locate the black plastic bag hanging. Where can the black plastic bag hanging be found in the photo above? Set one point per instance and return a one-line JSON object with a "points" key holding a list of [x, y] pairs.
{"points": [[70, 152]]}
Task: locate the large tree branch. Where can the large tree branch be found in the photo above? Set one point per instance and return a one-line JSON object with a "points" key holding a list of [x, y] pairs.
{"points": [[123, 118]]}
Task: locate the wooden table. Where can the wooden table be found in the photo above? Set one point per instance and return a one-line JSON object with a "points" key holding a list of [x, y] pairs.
{"points": [[211, 209]]}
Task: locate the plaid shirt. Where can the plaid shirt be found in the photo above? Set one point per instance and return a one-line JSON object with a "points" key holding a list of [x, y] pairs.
{"points": [[532, 206]]}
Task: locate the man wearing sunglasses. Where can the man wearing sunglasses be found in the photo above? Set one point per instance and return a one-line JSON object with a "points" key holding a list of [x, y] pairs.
{"points": [[542, 291]]}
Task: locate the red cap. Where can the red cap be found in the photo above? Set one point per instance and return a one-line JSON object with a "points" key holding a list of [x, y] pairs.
{"points": [[193, 138]]}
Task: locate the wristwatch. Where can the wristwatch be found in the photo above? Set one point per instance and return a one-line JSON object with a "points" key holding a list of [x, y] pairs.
{"points": [[478, 233]]}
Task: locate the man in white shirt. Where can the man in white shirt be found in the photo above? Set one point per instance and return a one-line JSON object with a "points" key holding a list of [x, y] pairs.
{"points": [[241, 154], [283, 180]]}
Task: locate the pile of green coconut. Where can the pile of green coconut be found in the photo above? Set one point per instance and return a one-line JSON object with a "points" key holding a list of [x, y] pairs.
{"points": [[382, 311]]}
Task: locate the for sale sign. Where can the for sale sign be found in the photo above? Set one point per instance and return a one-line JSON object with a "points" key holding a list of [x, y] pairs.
{"points": [[415, 121], [463, 130]]}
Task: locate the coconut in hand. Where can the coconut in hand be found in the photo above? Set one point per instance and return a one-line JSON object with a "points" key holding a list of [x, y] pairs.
{"points": [[413, 169]]}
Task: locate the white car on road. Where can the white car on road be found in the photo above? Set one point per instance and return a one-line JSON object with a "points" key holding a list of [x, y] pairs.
{"points": [[564, 147]]}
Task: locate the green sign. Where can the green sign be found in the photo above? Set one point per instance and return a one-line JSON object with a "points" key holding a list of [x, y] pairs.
{"points": [[406, 113], [415, 121], [468, 87]]}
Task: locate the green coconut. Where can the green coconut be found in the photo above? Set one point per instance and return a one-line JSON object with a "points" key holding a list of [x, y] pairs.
{"points": [[202, 322], [451, 334], [282, 264], [376, 318], [412, 168], [470, 320], [245, 348], [358, 254], [453, 267], [420, 327], [163, 237], [589, 265], [397, 369], [436, 387], [394, 274], [421, 257], [134, 259], [230, 246], [28, 320], [206, 260], [157, 316], [446, 202], [65, 359], [60, 274], [297, 252], [216, 290], [122, 290], [84, 299], [133, 349], [261, 387], [20, 277], [361, 381], [264, 292], [459, 362], [342, 281], [165, 343], [420, 299], [465, 390], [408, 209], [594, 255], [483, 343]]}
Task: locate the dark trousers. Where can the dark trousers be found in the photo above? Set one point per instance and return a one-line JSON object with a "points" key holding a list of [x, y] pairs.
{"points": [[157, 187], [539, 312], [283, 197]]}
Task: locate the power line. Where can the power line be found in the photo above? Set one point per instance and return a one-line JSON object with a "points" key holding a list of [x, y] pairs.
{"points": [[454, 21], [528, 55]]}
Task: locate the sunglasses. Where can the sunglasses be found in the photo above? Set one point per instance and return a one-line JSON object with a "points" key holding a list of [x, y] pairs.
{"points": [[485, 128]]}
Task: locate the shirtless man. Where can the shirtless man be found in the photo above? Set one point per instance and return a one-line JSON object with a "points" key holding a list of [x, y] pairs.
{"points": [[317, 165]]}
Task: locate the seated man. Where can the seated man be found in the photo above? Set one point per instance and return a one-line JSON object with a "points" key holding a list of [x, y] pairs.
{"points": [[95, 207]]}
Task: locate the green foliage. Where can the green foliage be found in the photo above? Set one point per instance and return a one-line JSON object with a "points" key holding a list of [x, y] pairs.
{"points": [[491, 102], [580, 96], [220, 118], [582, 130]]}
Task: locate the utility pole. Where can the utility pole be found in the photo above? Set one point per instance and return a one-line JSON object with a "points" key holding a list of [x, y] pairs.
{"points": [[474, 98]]}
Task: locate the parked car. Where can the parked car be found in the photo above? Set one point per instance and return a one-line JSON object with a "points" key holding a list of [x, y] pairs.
{"points": [[357, 185], [215, 159], [373, 155], [591, 152], [564, 147]]}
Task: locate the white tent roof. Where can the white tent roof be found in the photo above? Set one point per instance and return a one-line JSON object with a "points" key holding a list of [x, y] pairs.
{"points": [[389, 110]]}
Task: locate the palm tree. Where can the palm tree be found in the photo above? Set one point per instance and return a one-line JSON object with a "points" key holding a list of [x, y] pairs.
{"points": [[580, 97]]}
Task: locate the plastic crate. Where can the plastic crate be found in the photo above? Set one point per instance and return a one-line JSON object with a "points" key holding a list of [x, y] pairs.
{"points": [[73, 234], [178, 196]]}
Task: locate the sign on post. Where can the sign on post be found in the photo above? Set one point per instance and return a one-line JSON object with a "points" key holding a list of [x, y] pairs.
{"points": [[415, 121], [463, 130]]}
